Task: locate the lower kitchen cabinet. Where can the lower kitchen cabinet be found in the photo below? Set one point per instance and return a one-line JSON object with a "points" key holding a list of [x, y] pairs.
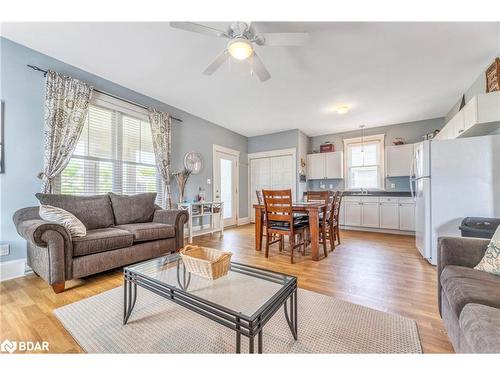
{"points": [[407, 216], [389, 215], [370, 215], [352, 213]]}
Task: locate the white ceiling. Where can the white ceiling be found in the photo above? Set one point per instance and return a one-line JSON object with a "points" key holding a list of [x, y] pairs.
{"points": [[388, 72]]}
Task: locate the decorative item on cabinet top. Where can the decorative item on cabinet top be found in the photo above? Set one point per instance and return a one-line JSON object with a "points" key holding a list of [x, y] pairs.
{"points": [[493, 76], [327, 147], [398, 141]]}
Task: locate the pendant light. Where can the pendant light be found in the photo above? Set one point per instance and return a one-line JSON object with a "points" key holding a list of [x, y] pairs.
{"points": [[362, 127]]}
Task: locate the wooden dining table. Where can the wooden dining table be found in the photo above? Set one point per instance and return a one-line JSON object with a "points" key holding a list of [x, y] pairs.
{"points": [[312, 209]]}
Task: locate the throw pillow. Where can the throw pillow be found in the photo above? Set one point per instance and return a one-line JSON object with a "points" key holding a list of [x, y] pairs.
{"points": [[64, 218], [138, 208], [491, 259]]}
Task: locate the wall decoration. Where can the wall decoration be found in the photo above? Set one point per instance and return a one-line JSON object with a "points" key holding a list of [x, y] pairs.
{"points": [[493, 76], [193, 162]]}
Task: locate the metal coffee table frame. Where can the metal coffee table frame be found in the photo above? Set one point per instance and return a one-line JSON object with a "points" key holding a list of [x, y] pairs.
{"points": [[248, 326]]}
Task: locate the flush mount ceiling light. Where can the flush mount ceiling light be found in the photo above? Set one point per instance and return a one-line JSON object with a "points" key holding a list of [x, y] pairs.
{"points": [[240, 48], [343, 109]]}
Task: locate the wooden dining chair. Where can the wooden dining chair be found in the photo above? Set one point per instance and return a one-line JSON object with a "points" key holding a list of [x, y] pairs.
{"points": [[327, 198], [336, 216], [260, 201], [280, 220]]}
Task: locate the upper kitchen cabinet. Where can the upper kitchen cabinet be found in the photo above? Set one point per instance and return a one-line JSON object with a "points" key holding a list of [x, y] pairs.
{"points": [[327, 165], [398, 160], [480, 116]]}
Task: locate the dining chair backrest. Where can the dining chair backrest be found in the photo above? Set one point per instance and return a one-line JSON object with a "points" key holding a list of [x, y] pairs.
{"points": [[337, 200], [278, 205], [260, 197], [318, 196]]}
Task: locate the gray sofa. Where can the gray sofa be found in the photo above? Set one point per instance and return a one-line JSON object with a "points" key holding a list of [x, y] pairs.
{"points": [[469, 300], [121, 230]]}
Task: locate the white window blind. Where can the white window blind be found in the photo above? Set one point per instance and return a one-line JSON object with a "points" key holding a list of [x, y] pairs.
{"points": [[365, 162], [114, 153]]}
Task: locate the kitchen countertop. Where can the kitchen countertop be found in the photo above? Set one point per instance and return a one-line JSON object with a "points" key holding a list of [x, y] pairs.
{"points": [[378, 194]]}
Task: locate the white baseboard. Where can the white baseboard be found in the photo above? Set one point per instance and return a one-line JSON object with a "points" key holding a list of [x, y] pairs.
{"points": [[12, 269], [244, 220], [378, 230]]}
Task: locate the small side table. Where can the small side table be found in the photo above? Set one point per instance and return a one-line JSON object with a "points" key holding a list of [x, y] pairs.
{"points": [[201, 210]]}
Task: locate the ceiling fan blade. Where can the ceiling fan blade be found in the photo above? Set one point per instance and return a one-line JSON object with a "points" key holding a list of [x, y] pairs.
{"points": [[200, 29], [259, 69], [216, 64], [285, 39]]}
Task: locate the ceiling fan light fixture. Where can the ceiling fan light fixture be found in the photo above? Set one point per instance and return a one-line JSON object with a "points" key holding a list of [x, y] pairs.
{"points": [[240, 48], [343, 109]]}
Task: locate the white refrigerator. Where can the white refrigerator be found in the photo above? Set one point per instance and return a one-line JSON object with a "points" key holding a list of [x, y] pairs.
{"points": [[453, 179]]}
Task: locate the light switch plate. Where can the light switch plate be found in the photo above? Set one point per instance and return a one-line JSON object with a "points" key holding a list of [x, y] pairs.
{"points": [[4, 249]]}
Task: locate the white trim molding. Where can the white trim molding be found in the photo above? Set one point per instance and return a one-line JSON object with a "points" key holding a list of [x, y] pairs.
{"points": [[12, 269], [244, 220]]}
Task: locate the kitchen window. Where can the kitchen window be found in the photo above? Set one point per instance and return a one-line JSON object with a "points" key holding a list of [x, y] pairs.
{"points": [[364, 162], [114, 152]]}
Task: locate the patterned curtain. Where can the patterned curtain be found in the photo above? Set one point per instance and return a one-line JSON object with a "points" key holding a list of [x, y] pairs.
{"points": [[66, 106], [162, 138]]}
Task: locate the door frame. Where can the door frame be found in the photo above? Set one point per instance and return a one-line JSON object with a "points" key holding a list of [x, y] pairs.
{"points": [[226, 150], [269, 154]]}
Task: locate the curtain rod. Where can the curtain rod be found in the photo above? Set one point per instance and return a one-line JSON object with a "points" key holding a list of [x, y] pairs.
{"points": [[105, 93]]}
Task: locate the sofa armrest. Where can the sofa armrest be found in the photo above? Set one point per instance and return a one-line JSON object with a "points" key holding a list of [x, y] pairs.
{"points": [[458, 251], [177, 218], [33, 231]]}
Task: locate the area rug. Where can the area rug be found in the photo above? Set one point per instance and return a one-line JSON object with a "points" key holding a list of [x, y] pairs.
{"points": [[326, 325]]}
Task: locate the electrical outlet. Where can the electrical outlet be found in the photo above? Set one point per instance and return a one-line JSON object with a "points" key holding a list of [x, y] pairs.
{"points": [[331, 186], [209, 181], [393, 185], [4, 249]]}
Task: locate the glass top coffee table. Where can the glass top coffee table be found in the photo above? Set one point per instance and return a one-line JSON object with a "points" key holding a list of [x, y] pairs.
{"points": [[244, 300]]}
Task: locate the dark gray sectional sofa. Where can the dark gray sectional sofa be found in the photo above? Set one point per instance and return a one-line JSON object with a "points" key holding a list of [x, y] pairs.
{"points": [[121, 230], [469, 300]]}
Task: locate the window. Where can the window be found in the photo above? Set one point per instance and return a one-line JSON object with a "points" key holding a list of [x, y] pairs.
{"points": [[114, 153], [365, 162]]}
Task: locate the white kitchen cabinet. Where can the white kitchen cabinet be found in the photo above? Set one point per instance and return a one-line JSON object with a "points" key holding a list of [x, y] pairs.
{"points": [[398, 160], [407, 214], [327, 165], [370, 216], [480, 116], [315, 166], [353, 213], [389, 213]]}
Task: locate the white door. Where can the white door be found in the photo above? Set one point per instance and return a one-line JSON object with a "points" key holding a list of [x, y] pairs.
{"points": [[370, 215], [260, 178], [389, 215], [353, 214], [407, 216], [282, 172], [315, 166], [226, 183]]}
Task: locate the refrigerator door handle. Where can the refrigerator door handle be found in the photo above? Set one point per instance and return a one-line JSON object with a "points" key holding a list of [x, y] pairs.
{"points": [[412, 178]]}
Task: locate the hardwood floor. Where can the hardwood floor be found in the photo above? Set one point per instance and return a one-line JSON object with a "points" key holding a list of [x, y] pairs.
{"points": [[381, 271]]}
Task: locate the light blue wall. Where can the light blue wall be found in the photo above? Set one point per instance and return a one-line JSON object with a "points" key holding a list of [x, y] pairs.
{"points": [[22, 90], [412, 132], [274, 141]]}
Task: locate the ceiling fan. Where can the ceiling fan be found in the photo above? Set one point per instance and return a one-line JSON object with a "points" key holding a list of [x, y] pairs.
{"points": [[242, 38]]}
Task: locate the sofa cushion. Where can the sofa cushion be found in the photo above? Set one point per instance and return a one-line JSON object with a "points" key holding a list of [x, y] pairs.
{"points": [[491, 260], [149, 231], [99, 240], [480, 327], [138, 208], [463, 285], [57, 215], [93, 211]]}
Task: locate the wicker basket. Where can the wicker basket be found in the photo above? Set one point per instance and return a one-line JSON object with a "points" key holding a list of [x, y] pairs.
{"points": [[206, 262]]}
